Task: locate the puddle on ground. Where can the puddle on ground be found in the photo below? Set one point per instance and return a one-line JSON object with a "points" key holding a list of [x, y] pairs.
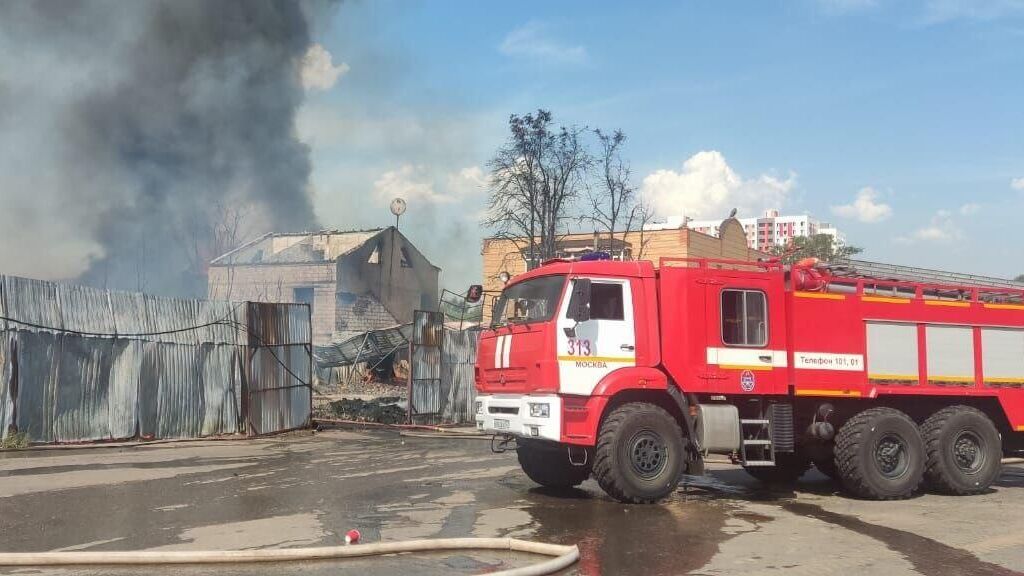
{"points": [[710, 483], [929, 557], [616, 538]]}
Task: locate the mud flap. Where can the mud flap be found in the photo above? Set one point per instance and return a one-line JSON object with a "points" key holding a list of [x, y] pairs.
{"points": [[695, 459]]}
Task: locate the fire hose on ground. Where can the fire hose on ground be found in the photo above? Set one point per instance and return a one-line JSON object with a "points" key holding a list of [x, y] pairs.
{"points": [[562, 556]]}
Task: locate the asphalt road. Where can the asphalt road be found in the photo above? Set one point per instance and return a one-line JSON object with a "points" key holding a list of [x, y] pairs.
{"points": [[306, 490]]}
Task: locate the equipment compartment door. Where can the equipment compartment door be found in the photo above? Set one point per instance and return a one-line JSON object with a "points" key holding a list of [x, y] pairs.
{"points": [[746, 338], [588, 351]]}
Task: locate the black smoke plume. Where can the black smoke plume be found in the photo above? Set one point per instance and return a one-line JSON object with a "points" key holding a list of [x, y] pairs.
{"points": [[139, 138]]}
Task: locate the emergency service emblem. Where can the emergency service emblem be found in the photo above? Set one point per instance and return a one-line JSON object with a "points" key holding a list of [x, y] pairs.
{"points": [[747, 381]]}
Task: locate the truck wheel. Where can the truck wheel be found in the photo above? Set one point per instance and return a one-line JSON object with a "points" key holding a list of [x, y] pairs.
{"points": [[639, 455], [964, 451], [548, 465], [787, 470], [880, 454]]}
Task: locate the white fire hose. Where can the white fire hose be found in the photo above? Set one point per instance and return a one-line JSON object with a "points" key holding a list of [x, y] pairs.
{"points": [[563, 556]]}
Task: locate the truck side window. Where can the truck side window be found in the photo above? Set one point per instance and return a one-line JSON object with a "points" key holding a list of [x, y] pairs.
{"points": [[744, 318], [606, 302]]}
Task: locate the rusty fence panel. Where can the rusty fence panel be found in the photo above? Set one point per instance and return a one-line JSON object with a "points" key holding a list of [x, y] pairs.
{"points": [[442, 368], [458, 375], [425, 394], [279, 394], [81, 364]]}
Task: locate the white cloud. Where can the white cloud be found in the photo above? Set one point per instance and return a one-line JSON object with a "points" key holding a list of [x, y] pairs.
{"points": [[843, 6], [707, 187], [864, 207], [1017, 184], [969, 208], [467, 182], [318, 69], [941, 230], [534, 40], [416, 184], [938, 11]]}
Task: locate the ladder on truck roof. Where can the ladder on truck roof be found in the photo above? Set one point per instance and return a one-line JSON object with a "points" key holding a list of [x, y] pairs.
{"points": [[899, 279]]}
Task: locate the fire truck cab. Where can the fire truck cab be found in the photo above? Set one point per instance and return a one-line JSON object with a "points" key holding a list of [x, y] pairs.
{"points": [[632, 374]]}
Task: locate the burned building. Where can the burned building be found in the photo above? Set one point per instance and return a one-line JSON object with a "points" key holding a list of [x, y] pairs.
{"points": [[354, 281]]}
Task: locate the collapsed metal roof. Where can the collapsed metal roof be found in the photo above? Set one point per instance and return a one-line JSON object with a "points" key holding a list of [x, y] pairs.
{"points": [[370, 347], [301, 248]]}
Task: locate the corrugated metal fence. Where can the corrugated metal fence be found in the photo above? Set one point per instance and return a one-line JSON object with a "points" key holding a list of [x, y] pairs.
{"points": [[441, 381], [80, 364]]}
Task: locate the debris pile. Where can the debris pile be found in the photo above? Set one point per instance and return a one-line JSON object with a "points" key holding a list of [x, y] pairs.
{"points": [[387, 410]]}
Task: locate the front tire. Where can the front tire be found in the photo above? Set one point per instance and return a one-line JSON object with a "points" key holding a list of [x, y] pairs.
{"points": [[880, 455], [548, 465], [964, 451], [640, 454]]}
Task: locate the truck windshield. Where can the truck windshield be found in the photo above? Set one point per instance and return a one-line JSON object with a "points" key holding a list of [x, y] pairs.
{"points": [[534, 300]]}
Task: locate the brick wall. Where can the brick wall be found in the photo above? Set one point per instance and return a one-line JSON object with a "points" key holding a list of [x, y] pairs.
{"points": [[358, 313], [503, 255], [277, 283]]}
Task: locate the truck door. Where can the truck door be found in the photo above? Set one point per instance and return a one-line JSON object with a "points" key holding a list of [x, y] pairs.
{"points": [[746, 334], [588, 351]]}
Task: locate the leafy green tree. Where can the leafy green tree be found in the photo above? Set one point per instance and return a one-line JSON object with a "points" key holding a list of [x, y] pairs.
{"points": [[820, 246], [1018, 278]]}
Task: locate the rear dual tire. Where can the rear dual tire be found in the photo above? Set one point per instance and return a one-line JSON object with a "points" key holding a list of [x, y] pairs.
{"points": [[880, 455], [964, 451]]}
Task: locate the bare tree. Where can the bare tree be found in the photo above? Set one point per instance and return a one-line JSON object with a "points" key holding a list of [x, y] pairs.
{"points": [[222, 231], [536, 177], [613, 198], [643, 214], [616, 206]]}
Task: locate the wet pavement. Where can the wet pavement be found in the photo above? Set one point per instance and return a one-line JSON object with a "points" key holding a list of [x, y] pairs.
{"points": [[308, 490]]}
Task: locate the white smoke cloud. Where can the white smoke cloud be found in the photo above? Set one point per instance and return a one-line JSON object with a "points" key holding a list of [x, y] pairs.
{"points": [[707, 187], [318, 69]]}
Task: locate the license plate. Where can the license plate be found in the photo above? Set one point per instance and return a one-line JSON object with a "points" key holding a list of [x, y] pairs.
{"points": [[500, 424]]}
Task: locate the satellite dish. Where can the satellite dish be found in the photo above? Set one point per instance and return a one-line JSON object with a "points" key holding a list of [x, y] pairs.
{"points": [[398, 206]]}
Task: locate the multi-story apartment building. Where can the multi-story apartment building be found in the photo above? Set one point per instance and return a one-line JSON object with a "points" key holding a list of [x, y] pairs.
{"points": [[770, 230]]}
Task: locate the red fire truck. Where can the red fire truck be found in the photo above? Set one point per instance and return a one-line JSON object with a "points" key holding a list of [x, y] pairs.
{"points": [[632, 374]]}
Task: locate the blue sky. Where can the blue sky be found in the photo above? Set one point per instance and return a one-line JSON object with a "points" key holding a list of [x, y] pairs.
{"points": [[900, 122]]}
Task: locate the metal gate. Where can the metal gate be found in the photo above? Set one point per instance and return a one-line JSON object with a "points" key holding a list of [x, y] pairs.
{"points": [[441, 383], [279, 389], [425, 367]]}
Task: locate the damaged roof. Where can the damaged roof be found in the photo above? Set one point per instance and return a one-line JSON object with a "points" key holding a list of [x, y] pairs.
{"points": [[301, 248]]}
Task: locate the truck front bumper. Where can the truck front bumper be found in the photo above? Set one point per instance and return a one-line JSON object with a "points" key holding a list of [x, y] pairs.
{"points": [[511, 414]]}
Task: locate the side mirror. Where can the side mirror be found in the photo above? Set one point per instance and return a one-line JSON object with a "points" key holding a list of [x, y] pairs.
{"points": [[579, 302]]}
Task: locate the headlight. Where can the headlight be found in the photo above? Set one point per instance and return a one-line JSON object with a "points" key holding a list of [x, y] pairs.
{"points": [[539, 410], [479, 407]]}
